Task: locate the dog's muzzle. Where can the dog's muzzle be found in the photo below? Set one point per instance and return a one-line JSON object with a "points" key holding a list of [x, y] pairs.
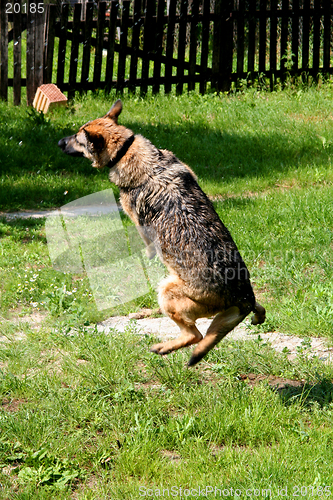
{"points": [[66, 148], [63, 143]]}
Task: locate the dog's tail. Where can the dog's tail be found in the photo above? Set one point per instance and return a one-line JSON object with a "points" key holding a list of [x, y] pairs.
{"points": [[259, 314]]}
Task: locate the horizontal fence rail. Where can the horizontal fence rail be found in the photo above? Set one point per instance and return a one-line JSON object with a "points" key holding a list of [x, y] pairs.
{"points": [[148, 44]]}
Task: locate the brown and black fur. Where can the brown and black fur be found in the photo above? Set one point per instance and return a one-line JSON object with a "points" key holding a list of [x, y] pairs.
{"points": [[207, 274]]}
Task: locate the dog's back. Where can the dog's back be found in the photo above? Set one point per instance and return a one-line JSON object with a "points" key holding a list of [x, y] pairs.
{"points": [[194, 243]]}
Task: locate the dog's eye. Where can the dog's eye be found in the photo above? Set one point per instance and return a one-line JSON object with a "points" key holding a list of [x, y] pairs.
{"points": [[80, 143]]}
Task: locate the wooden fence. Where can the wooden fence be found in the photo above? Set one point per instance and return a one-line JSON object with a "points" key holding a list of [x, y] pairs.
{"points": [[189, 44]]}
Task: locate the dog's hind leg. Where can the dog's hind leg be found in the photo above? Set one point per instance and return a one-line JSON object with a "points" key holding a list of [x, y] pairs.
{"points": [[183, 311], [189, 334], [222, 324]]}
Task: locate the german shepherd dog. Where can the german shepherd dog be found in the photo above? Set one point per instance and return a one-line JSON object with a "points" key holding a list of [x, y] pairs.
{"points": [[207, 275]]}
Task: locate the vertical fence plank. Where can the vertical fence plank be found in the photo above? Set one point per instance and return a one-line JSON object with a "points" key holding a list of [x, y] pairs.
{"points": [[101, 9], [262, 36], [158, 45], [316, 35], [251, 38], [17, 35], [39, 44], [284, 37], [204, 45], [295, 34], [123, 46], [169, 45], [193, 44], [273, 42], [181, 46], [135, 45], [87, 45], [49, 42], [148, 43], [240, 38], [226, 53], [111, 43], [62, 44], [4, 51], [30, 56], [327, 35], [74, 50], [217, 43], [306, 35]]}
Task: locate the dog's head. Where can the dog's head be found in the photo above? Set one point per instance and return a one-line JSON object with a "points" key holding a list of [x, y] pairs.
{"points": [[99, 140]]}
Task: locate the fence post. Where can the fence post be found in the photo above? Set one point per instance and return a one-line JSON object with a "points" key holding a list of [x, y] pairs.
{"points": [[101, 9], [148, 43], [49, 42], [222, 45], [87, 45], [295, 35], [251, 39], [4, 51], [169, 45], [123, 46], [262, 36], [306, 36], [240, 38], [74, 50], [181, 46], [193, 45], [17, 33], [62, 44], [111, 42], [159, 45], [273, 43], [39, 44], [205, 46], [30, 57], [284, 37], [327, 35]]}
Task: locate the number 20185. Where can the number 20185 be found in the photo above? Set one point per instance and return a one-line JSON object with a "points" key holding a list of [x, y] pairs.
{"points": [[16, 8]]}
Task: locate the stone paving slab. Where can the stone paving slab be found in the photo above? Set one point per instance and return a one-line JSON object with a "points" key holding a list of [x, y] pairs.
{"points": [[164, 328], [26, 214], [90, 210]]}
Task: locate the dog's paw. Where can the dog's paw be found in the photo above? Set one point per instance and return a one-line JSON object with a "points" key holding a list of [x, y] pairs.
{"points": [[161, 348]]}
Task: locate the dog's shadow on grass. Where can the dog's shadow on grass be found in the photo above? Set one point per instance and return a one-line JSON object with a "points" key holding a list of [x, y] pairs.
{"points": [[307, 394]]}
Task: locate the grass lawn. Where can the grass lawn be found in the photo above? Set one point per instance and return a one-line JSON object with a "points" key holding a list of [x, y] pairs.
{"points": [[89, 416]]}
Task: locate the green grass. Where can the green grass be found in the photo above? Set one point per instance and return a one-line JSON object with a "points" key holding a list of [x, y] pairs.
{"points": [[95, 416], [90, 416], [266, 159]]}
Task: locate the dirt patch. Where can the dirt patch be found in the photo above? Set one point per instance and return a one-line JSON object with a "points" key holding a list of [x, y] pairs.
{"points": [[35, 319], [11, 405], [278, 383], [171, 455], [164, 328]]}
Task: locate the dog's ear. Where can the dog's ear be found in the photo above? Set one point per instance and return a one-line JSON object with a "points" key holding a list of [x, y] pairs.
{"points": [[115, 111], [96, 139]]}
